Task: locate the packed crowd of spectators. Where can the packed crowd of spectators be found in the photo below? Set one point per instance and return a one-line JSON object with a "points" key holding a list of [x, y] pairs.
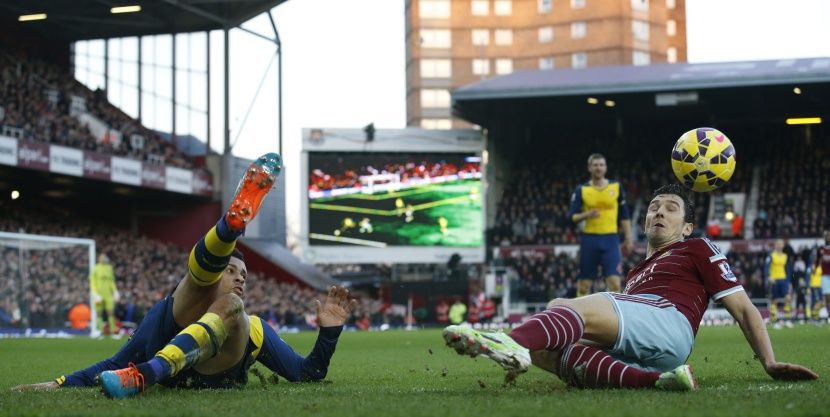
{"points": [[52, 281], [41, 102]]}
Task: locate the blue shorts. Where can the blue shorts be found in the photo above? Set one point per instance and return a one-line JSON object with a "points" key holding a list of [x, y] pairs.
{"points": [[825, 284], [597, 250], [651, 338], [816, 295], [779, 288]]}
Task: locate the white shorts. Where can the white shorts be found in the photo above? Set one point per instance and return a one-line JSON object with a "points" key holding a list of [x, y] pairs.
{"points": [[825, 284], [650, 338]]}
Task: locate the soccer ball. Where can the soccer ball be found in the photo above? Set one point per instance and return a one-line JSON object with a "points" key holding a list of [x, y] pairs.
{"points": [[703, 159]]}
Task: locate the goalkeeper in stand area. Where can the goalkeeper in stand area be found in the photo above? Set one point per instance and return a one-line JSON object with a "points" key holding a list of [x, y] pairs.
{"points": [[105, 294], [199, 335], [642, 337]]}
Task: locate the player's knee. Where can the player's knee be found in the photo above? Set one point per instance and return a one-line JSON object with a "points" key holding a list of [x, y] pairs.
{"points": [[558, 302]]}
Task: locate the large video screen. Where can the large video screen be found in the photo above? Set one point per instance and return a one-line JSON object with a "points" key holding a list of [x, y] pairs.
{"points": [[394, 199]]}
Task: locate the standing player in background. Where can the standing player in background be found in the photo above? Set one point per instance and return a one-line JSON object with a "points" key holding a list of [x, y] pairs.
{"points": [[822, 260], [643, 337], [102, 283], [816, 296], [780, 288], [600, 202]]}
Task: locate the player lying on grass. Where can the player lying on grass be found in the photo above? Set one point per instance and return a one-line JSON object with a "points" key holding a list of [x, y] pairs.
{"points": [[199, 336], [642, 337]]}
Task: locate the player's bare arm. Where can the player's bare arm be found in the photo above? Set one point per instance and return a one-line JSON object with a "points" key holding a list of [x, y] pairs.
{"points": [[42, 385], [751, 323]]}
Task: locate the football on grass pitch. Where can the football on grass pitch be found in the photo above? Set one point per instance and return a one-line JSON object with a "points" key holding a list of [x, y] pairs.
{"points": [[703, 159]]}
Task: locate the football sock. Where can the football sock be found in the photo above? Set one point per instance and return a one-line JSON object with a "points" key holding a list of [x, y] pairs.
{"points": [[788, 310], [553, 329], [773, 311], [197, 342], [589, 367], [212, 253], [111, 322]]}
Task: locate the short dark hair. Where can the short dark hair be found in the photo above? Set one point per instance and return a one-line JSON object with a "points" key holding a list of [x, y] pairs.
{"points": [[678, 190], [593, 156], [237, 254]]}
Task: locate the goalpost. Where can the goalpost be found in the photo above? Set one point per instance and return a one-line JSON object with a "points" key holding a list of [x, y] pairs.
{"points": [[43, 277]]}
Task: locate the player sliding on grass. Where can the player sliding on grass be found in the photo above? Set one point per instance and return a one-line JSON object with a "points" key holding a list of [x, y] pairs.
{"points": [[642, 337], [199, 336]]}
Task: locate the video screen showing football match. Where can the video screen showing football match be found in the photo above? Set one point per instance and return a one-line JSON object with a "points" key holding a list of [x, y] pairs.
{"points": [[395, 199]]}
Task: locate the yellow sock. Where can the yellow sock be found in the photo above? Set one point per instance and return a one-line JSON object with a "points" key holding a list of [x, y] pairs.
{"points": [[209, 258], [201, 340], [773, 311]]}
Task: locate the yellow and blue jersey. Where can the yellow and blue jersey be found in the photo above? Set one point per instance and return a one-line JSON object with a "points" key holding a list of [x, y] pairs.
{"points": [[776, 266], [815, 278], [610, 200]]}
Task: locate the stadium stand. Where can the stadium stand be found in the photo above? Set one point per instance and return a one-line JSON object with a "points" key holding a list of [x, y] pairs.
{"points": [[40, 102], [146, 271]]}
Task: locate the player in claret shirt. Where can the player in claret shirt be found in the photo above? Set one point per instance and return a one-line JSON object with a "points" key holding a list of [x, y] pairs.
{"points": [[642, 337]]}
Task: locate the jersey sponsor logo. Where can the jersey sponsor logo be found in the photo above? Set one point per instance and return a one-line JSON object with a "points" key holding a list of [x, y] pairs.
{"points": [[727, 273]]}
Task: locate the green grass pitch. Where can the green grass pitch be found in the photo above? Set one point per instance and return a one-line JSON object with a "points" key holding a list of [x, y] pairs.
{"points": [[411, 373]]}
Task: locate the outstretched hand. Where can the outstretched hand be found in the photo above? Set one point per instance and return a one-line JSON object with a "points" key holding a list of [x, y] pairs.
{"points": [[790, 372], [336, 309]]}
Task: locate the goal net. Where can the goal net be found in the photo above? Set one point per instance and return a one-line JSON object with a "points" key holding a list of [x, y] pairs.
{"points": [[43, 278]]}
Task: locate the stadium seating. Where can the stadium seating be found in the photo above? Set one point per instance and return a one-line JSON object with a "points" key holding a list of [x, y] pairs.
{"points": [[40, 102], [146, 271]]}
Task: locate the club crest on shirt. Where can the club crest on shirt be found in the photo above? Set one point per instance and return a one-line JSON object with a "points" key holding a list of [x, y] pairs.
{"points": [[611, 193], [726, 272]]}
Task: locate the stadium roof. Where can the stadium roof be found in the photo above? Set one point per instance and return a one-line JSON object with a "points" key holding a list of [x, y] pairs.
{"points": [[75, 20], [732, 88]]}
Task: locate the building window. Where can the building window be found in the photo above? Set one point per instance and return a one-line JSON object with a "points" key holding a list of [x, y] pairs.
{"points": [[481, 7], [545, 6], [639, 4], [641, 58], [640, 30], [671, 4], [434, 9], [481, 66], [504, 66], [481, 37], [436, 123], [503, 7], [546, 63], [578, 30], [435, 38], [577, 4], [579, 60], [546, 34], [671, 27], [436, 68], [671, 55], [432, 98], [504, 36]]}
